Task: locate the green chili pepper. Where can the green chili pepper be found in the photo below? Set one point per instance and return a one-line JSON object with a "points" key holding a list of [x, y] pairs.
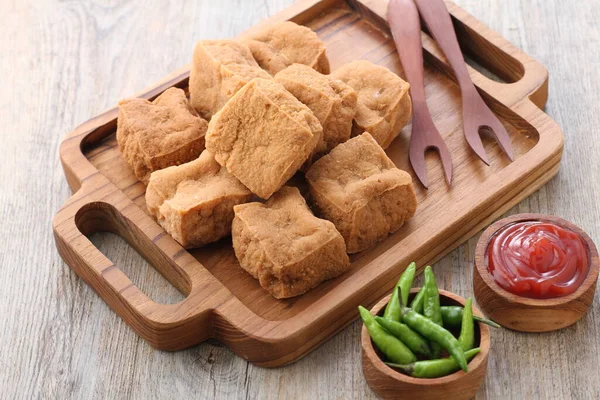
{"points": [[392, 310], [393, 348], [406, 281], [467, 329], [452, 317], [417, 303], [431, 305], [434, 368], [410, 338], [432, 331]]}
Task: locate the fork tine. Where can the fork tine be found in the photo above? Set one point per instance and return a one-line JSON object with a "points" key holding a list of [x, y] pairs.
{"points": [[475, 112], [446, 162], [438, 143], [474, 140], [502, 138], [405, 26], [417, 160]]}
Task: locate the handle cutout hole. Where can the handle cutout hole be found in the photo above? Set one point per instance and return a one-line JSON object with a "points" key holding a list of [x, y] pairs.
{"points": [[137, 269], [485, 57], [483, 70], [127, 247]]}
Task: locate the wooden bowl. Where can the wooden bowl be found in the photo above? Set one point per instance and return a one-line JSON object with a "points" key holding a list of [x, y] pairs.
{"points": [[523, 313], [389, 383]]}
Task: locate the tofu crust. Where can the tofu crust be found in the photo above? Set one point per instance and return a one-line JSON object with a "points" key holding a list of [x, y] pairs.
{"points": [[331, 100], [159, 134], [283, 245], [358, 188], [219, 69], [194, 202], [384, 104], [263, 135], [281, 44]]}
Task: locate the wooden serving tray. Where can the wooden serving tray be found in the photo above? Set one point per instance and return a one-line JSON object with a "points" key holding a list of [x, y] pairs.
{"points": [[226, 303]]}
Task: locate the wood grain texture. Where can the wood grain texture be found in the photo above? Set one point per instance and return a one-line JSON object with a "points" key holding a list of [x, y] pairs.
{"points": [[63, 62], [222, 301]]}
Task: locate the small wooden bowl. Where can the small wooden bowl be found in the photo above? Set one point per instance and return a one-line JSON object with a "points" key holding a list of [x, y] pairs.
{"points": [[523, 313], [389, 383]]}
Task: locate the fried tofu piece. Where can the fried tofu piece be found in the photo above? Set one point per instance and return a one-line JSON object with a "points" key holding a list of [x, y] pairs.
{"points": [[283, 245], [219, 69], [159, 134], [331, 100], [384, 105], [281, 44], [194, 202], [263, 135], [358, 188]]}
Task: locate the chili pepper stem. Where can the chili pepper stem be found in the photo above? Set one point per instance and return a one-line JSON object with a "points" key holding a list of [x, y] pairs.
{"points": [[487, 321], [452, 317], [404, 368]]}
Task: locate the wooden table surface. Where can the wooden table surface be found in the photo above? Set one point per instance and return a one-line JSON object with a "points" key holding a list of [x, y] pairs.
{"points": [[65, 61]]}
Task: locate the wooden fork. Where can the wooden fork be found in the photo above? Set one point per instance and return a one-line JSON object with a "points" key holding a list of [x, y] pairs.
{"points": [[477, 116], [405, 25]]}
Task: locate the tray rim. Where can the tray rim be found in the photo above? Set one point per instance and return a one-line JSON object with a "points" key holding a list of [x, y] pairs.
{"points": [[153, 321]]}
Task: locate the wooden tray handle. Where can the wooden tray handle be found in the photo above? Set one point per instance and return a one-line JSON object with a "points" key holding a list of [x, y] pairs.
{"points": [[524, 76], [210, 310], [165, 326]]}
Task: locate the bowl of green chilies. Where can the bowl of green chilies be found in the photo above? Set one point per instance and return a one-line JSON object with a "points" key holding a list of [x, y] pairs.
{"points": [[425, 342]]}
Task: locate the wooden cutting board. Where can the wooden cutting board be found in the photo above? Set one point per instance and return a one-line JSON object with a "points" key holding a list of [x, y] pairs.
{"points": [[223, 301]]}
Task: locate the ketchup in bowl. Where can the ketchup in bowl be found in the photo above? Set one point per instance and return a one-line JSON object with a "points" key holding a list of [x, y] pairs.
{"points": [[538, 259]]}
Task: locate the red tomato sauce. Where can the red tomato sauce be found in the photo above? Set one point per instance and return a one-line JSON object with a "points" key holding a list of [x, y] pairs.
{"points": [[538, 259]]}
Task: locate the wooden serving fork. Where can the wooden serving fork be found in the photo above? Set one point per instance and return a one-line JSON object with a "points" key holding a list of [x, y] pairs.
{"points": [[405, 25], [477, 116]]}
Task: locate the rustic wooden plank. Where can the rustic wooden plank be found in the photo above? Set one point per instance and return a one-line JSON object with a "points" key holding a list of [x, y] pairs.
{"points": [[66, 61]]}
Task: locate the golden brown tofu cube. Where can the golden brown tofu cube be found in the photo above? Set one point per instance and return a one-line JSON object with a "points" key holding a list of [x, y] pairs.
{"points": [[283, 245], [219, 69], [331, 100], [384, 105], [194, 202], [281, 44], [159, 134], [263, 135], [358, 188]]}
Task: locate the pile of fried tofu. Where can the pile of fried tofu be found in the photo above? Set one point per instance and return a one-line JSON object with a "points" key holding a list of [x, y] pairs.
{"points": [[262, 110]]}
